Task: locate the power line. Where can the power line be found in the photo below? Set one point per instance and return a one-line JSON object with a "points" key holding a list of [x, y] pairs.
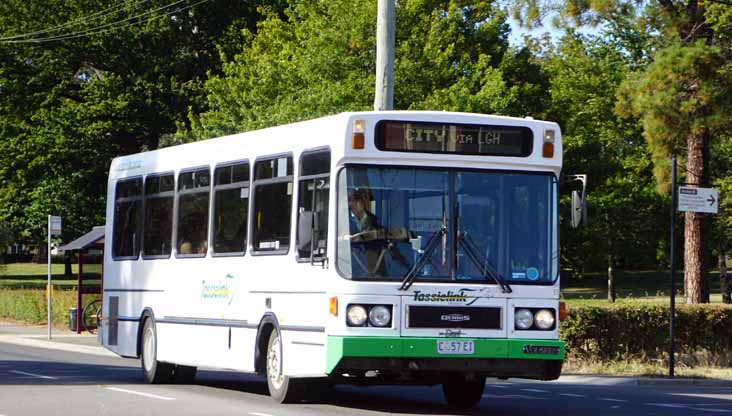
{"points": [[94, 16], [111, 26]]}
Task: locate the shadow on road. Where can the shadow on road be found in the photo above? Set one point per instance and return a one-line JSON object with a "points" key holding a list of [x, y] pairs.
{"points": [[29, 372]]}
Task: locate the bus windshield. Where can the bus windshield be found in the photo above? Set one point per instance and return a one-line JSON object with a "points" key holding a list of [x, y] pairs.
{"points": [[498, 224]]}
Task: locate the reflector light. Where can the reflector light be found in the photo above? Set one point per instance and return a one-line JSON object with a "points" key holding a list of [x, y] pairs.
{"points": [[549, 136], [562, 311], [547, 150], [359, 126], [358, 141], [334, 305]]}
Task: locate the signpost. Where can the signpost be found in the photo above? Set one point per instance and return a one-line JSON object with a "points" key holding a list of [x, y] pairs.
{"points": [[54, 228], [689, 199]]}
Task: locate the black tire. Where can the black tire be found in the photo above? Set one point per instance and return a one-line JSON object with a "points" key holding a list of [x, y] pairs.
{"points": [[155, 371], [282, 388], [183, 374], [463, 394], [90, 316]]}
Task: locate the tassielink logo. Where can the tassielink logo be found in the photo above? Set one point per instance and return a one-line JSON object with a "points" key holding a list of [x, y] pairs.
{"points": [[462, 296]]}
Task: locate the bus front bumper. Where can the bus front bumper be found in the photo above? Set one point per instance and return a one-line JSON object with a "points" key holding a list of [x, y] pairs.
{"points": [[525, 358]]}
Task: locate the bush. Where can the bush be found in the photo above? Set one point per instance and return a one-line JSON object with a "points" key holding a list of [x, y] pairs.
{"points": [[29, 305], [641, 332]]}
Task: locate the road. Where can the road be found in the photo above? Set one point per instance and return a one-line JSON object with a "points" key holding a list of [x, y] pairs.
{"points": [[37, 381]]}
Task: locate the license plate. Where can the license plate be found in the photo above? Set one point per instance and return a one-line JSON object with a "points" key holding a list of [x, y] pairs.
{"points": [[456, 347]]}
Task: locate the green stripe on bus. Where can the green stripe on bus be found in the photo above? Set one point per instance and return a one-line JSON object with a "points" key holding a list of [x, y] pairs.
{"points": [[408, 347]]}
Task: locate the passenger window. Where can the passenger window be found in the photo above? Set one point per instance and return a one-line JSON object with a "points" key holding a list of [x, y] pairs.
{"points": [[159, 191], [231, 208], [127, 218], [193, 196], [272, 205], [312, 208]]}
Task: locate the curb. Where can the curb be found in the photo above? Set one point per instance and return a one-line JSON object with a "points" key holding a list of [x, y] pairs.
{"points": [[61, 346], [701, 382]]}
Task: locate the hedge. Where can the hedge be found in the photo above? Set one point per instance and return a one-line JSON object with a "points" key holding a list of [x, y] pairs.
{"points": [[641, 332], [29, 305]]}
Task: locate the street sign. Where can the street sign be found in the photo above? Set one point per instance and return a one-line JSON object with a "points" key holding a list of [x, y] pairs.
{"points": [[698, 199], [55, 225]]}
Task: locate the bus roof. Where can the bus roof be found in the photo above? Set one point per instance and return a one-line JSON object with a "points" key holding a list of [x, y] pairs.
{"points": [[335, 132]]}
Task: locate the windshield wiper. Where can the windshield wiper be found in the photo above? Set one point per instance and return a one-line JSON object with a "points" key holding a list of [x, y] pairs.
{"points": [[426, 254], [471, 250]]}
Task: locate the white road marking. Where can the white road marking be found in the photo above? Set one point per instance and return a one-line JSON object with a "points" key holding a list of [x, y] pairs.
{"points": [[535, 391], [34, 375], [706, 409], [571, 395], [615, 407], [498, 386], [259, 414], [139, 393], [613, 400], [671, 405]]}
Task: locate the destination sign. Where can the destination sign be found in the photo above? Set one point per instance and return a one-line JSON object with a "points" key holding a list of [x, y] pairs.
{"points": [[464, 139]]}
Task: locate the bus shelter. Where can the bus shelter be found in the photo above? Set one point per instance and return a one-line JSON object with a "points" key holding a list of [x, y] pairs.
{"points": [[93, 240]]}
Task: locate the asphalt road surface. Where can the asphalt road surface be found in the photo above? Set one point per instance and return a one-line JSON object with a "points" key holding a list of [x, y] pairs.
{"points": [[36, 381]]}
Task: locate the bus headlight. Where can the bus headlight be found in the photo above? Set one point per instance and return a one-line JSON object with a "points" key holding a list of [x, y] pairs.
{"points": [[544, 319], [356, 315], [523, 319], [380, 316]]}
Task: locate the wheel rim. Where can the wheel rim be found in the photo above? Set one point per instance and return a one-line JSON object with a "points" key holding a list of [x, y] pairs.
{"points": [[273, 364], [148, 348]]}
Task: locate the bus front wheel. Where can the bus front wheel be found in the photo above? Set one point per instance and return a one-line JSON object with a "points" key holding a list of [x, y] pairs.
{"points": [[463, 393], [155, 371], [282, 388]]}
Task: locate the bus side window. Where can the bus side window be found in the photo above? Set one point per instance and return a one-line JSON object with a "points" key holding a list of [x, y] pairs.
{"points": [[272, 205], [312, 208], [192, 228], [127, 218], [231, 208], [157, 234]]}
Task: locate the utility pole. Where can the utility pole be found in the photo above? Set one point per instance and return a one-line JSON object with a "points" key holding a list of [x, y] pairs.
{"points": [[672, 309], [385, 29]]}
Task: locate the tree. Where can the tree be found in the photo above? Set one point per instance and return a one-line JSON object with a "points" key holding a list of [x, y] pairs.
{"points": [[68, 106], [586, 72], [319, 60], [681, 97]]}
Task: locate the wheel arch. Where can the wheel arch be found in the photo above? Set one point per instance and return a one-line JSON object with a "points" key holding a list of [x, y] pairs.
{"points": [[267, 324], [146, 314]]}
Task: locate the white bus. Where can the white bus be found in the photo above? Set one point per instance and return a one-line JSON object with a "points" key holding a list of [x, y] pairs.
{"points": [[374, 247]]}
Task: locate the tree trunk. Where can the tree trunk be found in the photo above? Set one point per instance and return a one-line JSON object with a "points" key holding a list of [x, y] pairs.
{"points": [[724, 283], [67, 264], [696, 284], [611, 294], [41, 256]]}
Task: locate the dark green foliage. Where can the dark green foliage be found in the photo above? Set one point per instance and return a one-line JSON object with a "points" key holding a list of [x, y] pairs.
{"points": [[640, 332], [319, 60], [68, 107]]}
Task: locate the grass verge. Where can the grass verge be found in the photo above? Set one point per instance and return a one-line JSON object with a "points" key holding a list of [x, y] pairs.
{"points": [[638, 369]]}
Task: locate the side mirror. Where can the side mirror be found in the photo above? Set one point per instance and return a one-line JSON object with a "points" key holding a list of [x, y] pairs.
{"points": [[579, 200], [577, 209]]}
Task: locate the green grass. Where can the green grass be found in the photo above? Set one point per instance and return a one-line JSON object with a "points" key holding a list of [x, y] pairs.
{"points": [[34, 276], [631, 286]]}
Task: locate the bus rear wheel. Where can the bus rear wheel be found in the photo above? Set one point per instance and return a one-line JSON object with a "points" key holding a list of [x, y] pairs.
{"points": [[463, 393], [155, 371], [282, 388]]}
